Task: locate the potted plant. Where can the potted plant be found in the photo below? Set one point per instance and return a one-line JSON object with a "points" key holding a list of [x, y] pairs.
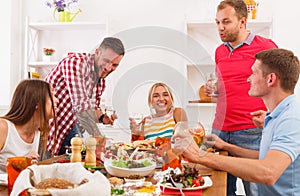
{"points": [[48, 52]]}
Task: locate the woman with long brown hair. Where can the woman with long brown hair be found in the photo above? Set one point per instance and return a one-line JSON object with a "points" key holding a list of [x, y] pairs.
{"points": [[25, 129]]}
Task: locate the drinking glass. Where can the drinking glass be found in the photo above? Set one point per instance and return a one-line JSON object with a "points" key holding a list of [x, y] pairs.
{"points": [[14, 166], [196, 129], [138, 117], [137, 133], [109, 111], [212, 81]]}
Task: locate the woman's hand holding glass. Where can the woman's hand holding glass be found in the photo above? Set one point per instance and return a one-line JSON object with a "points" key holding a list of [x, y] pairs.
{"points": [[136, 126]]}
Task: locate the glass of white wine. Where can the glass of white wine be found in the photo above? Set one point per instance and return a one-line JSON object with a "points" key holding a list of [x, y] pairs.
{"points": [[109, 111], [212, 81]]}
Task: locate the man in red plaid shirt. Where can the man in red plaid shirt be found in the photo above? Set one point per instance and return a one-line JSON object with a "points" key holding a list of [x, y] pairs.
{"points": [[79, 81]]}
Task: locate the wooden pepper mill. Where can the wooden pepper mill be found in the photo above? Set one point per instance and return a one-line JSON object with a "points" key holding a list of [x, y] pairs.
{"points": [[76, 143], [90, 157]]}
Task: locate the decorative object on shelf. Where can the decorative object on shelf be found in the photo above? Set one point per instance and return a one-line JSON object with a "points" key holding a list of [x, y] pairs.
{"points": [[252, 8], [48, 52], [62, 11]]}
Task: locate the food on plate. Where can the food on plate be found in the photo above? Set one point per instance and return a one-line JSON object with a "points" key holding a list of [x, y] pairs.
{"points": [[144, 144], [147, 189], [115, 181], [115, 151], [127, 163], [116, 191], [55, 183], [187, 177]]}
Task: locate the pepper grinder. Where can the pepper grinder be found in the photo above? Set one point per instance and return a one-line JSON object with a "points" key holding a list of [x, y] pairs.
{"points": [[90, 157], [76, 143]]}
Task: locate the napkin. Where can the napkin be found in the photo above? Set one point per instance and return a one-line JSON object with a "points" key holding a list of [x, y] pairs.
{"points": [[167, 191], [74, 172]]}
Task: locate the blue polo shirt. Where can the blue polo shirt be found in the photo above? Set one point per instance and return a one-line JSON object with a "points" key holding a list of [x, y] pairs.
{"points": [[282, 132]]}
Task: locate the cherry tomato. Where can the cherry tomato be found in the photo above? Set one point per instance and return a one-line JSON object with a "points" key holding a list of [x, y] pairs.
{"points": [[195, 182]]}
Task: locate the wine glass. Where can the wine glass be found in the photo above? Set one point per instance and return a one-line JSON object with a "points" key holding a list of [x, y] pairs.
{"points": [[195, 129], [212, 81], [138, 117], [109, 111]]}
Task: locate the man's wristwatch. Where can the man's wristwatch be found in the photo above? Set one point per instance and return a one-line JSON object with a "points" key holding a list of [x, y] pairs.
{"points": [[101, 118]]}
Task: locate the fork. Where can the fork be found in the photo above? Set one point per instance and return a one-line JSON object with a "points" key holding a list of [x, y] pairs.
{"points": [[177, 185]]}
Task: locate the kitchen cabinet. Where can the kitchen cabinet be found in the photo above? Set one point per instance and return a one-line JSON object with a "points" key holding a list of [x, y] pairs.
{"points": [[203, 35], [63, 37]]}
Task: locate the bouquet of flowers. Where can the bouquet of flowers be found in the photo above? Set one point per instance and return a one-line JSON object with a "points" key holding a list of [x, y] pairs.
{"points": [[48, 51], [60, 5]]}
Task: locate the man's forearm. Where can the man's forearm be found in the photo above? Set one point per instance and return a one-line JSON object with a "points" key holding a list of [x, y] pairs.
{"points": [[88, 121], [241, 152]]}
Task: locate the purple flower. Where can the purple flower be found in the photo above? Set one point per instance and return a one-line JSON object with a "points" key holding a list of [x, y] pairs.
{"points": [[60, 5]]}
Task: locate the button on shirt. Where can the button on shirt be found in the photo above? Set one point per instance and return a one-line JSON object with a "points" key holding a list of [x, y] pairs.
{"points": [[77, 87], [282, 132]]}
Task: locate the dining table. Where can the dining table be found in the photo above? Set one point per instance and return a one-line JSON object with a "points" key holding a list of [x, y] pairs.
{"points": [[219, 178]]}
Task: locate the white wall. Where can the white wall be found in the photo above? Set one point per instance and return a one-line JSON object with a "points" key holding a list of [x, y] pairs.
{"points": [[133, 17], [5, 55]]}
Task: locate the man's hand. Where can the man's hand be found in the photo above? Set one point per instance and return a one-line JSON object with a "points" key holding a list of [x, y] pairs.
{"points": [[258, 118], [213, 140], [183, 143], [88, 121]]}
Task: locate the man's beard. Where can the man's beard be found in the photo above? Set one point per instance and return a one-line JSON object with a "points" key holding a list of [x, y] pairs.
{"points": [[230, 37]]}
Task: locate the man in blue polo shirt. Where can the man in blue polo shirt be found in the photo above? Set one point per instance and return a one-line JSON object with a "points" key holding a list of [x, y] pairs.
{"points": [[276, 166]]}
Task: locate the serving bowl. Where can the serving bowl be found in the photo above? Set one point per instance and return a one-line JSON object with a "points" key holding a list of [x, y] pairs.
{"points": [[126, 172]]}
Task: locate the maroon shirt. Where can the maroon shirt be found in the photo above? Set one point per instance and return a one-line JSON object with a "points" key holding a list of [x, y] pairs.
{"points": [[77, 87]]}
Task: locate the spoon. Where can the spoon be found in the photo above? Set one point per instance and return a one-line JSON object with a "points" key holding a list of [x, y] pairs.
{"points": [[134, 153]]}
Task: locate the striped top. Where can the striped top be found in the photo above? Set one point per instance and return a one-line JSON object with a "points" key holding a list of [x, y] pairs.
{"points": [[159, 127]]}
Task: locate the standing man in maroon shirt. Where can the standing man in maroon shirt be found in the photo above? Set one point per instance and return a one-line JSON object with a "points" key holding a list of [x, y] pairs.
{"points": [[79, 81]]}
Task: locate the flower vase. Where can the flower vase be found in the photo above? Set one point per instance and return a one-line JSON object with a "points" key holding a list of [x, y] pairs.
{"points": [[47, 58]]}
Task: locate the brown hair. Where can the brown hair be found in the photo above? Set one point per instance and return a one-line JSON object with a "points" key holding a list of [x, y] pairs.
{"points": [[283, 63], [239, 6], [113, 43], [29, 94], [154, 86]]}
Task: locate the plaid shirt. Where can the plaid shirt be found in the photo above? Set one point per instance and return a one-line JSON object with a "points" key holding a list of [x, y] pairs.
{"points": [[77, 87]]}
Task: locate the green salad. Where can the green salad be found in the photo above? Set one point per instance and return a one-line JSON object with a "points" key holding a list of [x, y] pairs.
{"points": [[127, 163]]}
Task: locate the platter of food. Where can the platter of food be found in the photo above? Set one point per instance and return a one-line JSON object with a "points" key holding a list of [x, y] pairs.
{"points": [[187, 178], [126, 168], [207, 183]]}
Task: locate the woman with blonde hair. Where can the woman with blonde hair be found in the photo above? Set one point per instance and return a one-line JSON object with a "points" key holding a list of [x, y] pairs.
{"points": [[163, 116], [25, 129]]}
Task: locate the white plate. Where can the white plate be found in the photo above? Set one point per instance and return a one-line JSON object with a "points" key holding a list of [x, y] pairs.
{"points": [[207, 183], [3, 179], [134, 180]]}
